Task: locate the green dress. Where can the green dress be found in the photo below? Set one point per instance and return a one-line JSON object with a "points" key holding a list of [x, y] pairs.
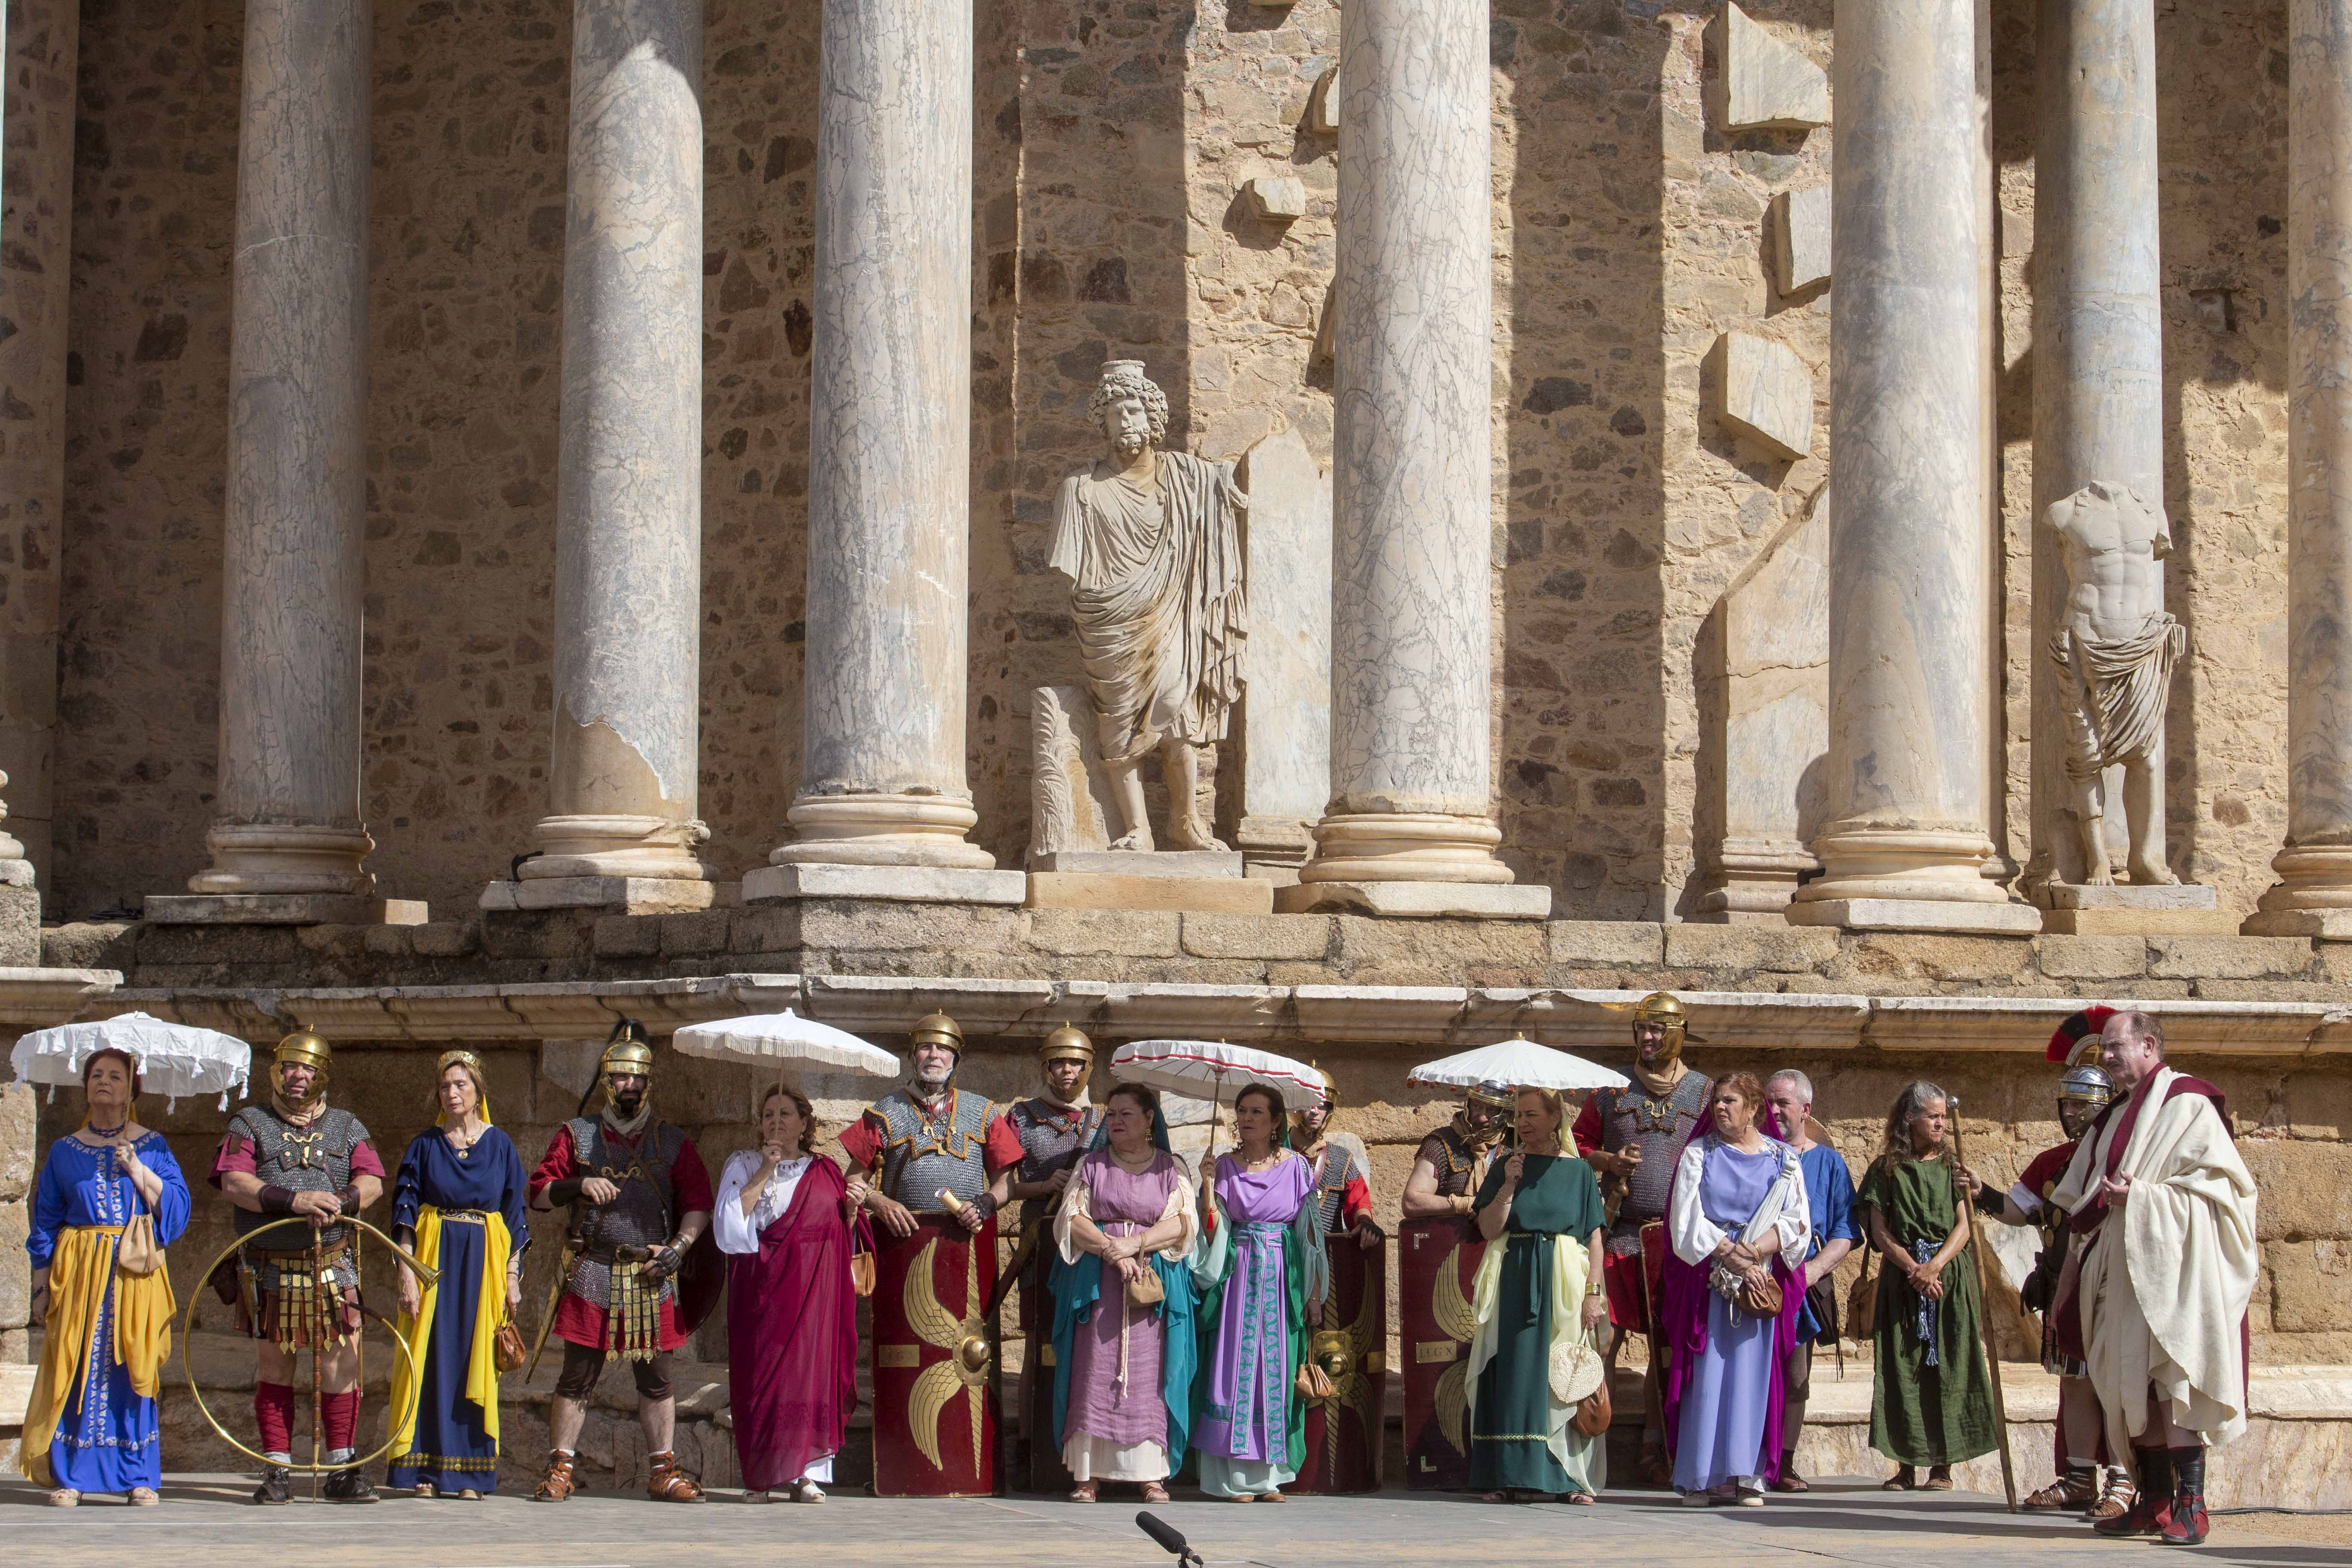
{"points": [[1513, 1420], [1923, 1415]]}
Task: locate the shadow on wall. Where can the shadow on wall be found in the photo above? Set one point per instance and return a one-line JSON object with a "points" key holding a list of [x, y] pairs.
{"points": [[1579, 551], [1091, 254]]}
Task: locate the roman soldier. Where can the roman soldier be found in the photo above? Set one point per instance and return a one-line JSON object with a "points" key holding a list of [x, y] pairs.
{"points": [[638, 1273], [1350, 1345], [938, 1162], [1633, 1136], [298, 1157], [2084, 1485], [1438, 1252], [1055, 1128]]}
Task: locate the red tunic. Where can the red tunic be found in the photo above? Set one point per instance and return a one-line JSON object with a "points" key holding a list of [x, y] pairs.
{"points": [[579, 1320]]}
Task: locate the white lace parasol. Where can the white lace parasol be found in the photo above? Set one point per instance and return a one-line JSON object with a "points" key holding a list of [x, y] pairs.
{"points": [[176, 1061]]}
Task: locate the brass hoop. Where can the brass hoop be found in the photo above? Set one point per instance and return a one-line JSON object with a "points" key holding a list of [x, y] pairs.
{"points": [[426, 1275]]}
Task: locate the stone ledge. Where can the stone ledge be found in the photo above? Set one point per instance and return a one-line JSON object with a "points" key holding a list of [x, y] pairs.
{"points": [[1159, 893], [617, 895], [282, 909], [895, 884], [1918, 915], [1395, 1015]]}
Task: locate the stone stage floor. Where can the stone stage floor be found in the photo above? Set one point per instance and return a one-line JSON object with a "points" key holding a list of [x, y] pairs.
{"points": [[204, 1520]]}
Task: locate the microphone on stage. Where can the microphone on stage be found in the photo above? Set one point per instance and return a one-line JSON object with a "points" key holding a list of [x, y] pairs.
{"points": [[1166, 1535]]}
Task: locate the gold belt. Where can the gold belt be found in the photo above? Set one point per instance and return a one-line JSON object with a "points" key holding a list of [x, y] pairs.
{"points": [[469, 1216]]}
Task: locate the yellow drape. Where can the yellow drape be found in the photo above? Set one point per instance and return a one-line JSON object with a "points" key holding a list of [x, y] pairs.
{"points": [[489, 1311], [81, 1270]]}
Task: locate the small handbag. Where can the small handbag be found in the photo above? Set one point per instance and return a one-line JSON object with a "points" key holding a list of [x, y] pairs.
{"points": [[507, 1350], [1759, 1300], [1314, 1383], [137, 1253], [1862, 1303], [1593, 1413], [1145, 1290]]}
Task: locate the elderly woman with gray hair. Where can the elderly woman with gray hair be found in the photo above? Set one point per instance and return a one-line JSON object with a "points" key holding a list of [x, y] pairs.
{"points": [[1932, 1402]]}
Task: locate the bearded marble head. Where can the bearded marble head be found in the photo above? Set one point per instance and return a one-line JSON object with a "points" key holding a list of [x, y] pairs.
{"points": [[1129, 408]]}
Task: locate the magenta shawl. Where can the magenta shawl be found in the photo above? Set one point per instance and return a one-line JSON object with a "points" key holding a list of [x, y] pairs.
{"points": [[1683, 1299]]}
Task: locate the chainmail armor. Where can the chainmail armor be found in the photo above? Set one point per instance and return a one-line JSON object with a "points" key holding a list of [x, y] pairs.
{"points": [[1051, 1143], [645, 1213], [1659, 1125], [923, 1154]]}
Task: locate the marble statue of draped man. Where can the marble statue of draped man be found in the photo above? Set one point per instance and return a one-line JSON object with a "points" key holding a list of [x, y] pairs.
{"points": [[1150, 542], [2115, 650]]}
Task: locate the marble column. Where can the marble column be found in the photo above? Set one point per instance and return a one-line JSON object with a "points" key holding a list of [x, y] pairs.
{"points": [[2098, 342], [883, 787], [42, 45], [1410, 826], [2314, 896], [289, 833], [621, 827], [1911, 682]]}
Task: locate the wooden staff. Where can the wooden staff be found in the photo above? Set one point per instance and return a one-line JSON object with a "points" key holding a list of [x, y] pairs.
{"points": [[318, 1368], [1984, 1312]]}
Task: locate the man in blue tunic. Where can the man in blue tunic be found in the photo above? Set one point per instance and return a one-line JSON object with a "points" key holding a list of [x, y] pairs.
{"points": [[1829, 1186]]}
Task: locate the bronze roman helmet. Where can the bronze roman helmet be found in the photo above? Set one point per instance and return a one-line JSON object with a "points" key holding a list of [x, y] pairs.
{"points": [[628, 1050], [940, 1030], [1063, 1044], [306, 1049], [1665, 1009]]}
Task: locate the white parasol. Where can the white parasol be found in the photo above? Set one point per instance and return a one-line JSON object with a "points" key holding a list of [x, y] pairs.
{"points": [[767, 1038], [174, 1060], [1212, 1069], [1522, 1064]]}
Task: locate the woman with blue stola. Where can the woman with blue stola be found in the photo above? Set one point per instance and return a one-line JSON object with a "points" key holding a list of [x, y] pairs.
{"points": [[458, 1204], [90, 1423], [1122, 1293], [1262, 1273]]}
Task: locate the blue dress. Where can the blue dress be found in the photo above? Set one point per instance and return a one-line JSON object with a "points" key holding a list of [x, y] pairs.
{"points": [[106, 1440], [1730, 1382], [451, 1448]]}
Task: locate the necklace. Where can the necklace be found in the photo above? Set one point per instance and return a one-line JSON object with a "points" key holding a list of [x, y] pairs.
{"points": [[466, 1149], [1136, 1161], [95, 1130]]}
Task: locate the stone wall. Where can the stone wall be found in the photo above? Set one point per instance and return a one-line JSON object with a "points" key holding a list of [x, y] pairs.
{"points": [[1112, 142]]}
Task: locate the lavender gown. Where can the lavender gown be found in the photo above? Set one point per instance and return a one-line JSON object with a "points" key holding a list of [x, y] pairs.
{"points": [[1723, 1402], [1244, 1433], [1117, 1428]]}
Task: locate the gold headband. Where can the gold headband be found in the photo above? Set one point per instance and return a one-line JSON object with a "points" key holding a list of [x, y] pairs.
{"points": [[472, 1064]]}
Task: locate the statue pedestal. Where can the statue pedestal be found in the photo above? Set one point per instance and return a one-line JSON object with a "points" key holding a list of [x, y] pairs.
{"points": [[2183, 910], [1194, 881]]}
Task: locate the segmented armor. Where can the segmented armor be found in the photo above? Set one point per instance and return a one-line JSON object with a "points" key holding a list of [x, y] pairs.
{"points": [[313, 1158], [645, 1214], [1344, 1160]]}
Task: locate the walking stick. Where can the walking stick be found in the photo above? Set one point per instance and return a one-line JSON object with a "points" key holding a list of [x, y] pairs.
{"points": [[1984, 1317], [318, 1371]]}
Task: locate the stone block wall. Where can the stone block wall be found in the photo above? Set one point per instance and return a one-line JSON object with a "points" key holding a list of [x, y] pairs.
{"points": [[1113, 140]]}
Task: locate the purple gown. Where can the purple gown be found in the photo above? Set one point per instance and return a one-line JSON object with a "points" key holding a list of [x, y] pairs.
{"points": [[1728, 1385], [1115, 1395], [1245, 1417]]}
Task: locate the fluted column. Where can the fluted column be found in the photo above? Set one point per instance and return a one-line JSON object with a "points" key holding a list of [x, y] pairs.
{"points": [[1910, 675], [2314, 896], [629, 554], [2098, 342], [291, 644], [1410, 829], [883, 783], [36, 286]]}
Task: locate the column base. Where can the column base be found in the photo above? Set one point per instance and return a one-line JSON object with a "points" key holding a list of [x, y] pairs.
{"points": [[282, 909], [260, 859], [1405, 846], [883, 830], [1755, 878], [896, 884], [2312, 897], [622, 895], [1918, 914], [1417, 900], [1902, 865], [615, 846]]}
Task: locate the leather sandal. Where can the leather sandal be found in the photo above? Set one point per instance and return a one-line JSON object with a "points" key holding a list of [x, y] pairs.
{"points": [[1939, 1479], [1154, 1492], [1902, 1480], [560, 1480], [664, 1482], [1084, 1492], [141, 1496]]}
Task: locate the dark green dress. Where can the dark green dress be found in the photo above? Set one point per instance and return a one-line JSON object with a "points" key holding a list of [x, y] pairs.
{"points": [[1923, 1415], [1558, 1204]]}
